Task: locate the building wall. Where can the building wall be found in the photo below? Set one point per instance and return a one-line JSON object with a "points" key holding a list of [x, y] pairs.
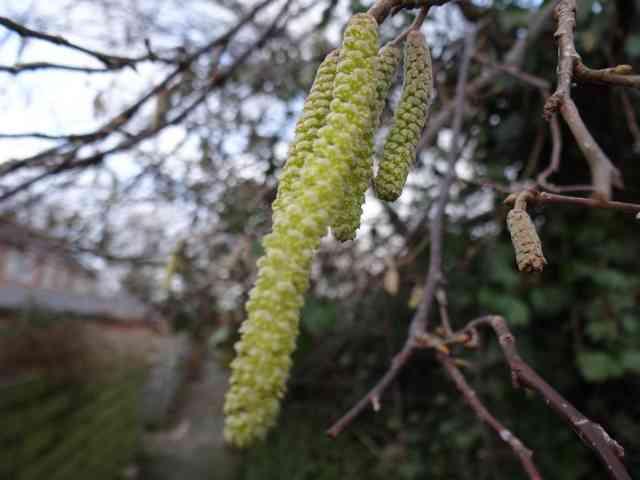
{"points": [[50, 271]]}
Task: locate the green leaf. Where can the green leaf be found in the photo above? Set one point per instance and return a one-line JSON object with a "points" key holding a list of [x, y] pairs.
{"points": [[549, 301], [632, 48], [598, 366], [602, 329], [631, 360], [319, 316], [513, 309]]}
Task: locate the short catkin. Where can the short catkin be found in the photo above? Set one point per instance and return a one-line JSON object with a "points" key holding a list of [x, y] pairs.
{"points": [[313, 117], [408, 121], [347, 219], [268, 335], [526, 243]]}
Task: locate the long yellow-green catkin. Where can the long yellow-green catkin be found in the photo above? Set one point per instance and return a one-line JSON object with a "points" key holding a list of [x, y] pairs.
{"points": [[526, 242], [261, 368], [408, 121], [314, 115], [347, 218]]}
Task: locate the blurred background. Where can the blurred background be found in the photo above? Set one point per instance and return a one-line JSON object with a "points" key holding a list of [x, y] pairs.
{"points": [[138, 161]]}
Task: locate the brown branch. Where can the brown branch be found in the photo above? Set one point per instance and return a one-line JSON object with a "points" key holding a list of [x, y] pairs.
{"points": [[630, 115], [373, 396], [470, 396], [111, 62], [565, 14], [381, 9], [603, 173], [556, 151], [619, 75], [415, 25], [34, 66], [543, 198], [592, 434], [514, 71]]}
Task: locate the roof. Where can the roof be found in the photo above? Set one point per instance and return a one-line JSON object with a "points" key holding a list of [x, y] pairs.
{"points": [[121, 306]]}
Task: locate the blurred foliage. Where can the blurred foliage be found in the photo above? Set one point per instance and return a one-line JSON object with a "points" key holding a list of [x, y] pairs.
{"points": [[69, 429]]}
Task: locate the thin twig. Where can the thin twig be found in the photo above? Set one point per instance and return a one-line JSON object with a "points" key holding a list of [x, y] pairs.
{"points": [[603, 174], [592, 434], [470, 396], [415, 25], [556, 151], [111, 62], [619, 75], [381, 9], [552, 198], [631, 118], [514, 71]]}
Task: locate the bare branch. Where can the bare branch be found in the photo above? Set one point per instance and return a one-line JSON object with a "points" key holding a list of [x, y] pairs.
{"points": [[552, 198], [592, 434], [381, 9], [111, 62], [619, 75], [471, 397], [603, 173], [565, 14], [556, 151]]}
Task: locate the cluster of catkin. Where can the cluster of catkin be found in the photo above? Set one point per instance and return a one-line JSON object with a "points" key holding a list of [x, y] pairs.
{"points": [[323, 185]]}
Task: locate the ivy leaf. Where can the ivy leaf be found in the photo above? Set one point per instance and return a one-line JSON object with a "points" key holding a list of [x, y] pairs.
{"points": [[631, 360], [632, 48], [598, 366], [319, 316], [602, 330], [512, 308]]}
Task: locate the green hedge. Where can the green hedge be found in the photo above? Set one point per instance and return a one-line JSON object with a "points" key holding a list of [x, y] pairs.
{"points": [[69, 430]]}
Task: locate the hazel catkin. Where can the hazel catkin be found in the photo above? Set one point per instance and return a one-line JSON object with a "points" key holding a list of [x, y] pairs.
{"points": [[526, 242], [408, 121], [313, 117], [347, 219], [268, 335]]}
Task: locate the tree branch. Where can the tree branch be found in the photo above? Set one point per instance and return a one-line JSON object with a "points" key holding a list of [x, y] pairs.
{"points": [[552, 198], [471, 397], [619, 75], [592, 434], [111, 62]]}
